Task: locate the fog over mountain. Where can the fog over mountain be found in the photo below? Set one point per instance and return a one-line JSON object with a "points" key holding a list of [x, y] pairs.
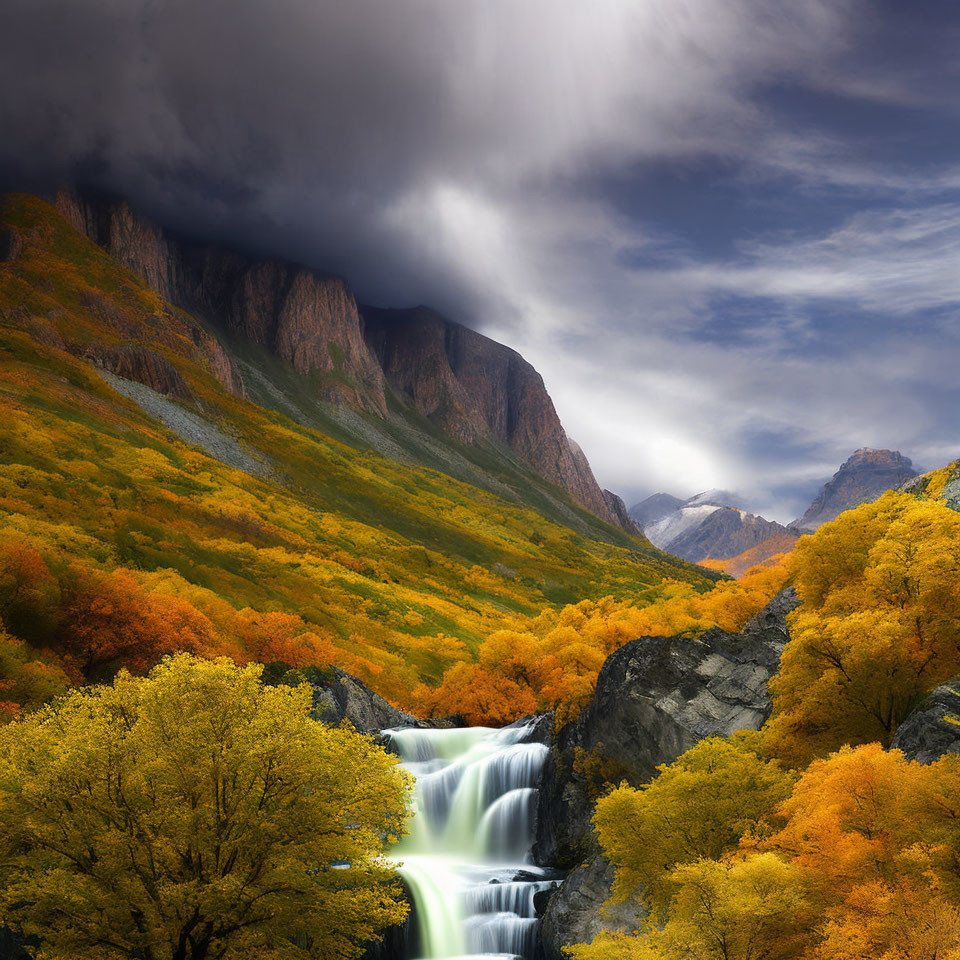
{"points": [[727, 239]]}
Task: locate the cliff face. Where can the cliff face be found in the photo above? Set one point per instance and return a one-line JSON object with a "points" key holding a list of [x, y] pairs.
{"points": [[618, 508], [865, 475], [471, 387], [475, 388], [302, 316]]}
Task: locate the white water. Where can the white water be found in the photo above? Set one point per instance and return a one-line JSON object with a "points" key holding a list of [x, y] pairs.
{"points": [[470, 836]]}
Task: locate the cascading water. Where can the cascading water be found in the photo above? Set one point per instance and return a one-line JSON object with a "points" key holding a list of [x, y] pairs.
{"points": [[465, 860]]}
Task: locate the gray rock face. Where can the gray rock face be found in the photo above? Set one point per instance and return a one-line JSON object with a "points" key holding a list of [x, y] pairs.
{"points": [[655, 698], [344, 697], [932, 729], [618, 510], [574, 912], [949, 496], [861, 479]]}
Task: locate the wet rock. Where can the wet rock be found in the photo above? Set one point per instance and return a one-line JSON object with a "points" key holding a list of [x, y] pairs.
{"points": [[574, 913]]}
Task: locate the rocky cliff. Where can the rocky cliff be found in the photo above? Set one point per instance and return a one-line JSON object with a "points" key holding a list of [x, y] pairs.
{"points": [[472, 388], [655, 698], [932, 729], [861, 479], [618, 508], [302, 316]]}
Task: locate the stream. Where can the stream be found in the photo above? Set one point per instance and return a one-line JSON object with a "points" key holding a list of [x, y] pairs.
{"points": [[466, 858]]}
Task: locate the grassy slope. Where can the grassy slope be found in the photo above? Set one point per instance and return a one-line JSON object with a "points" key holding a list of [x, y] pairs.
{"points": [[386, 558]]}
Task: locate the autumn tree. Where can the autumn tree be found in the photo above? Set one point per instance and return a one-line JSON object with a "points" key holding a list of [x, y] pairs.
{"points": [[879, 625], [29, 592], [110, 621], [751, 908], [26, 680], [276, 636], [195, 814], [699, 807], [477, 695], [877, 838]]}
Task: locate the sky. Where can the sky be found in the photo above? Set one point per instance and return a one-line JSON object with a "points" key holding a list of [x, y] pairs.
{"points": [[727, 232]]}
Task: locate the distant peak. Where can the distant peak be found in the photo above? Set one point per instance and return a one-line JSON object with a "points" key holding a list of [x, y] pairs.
{"points": [[880, 457]]}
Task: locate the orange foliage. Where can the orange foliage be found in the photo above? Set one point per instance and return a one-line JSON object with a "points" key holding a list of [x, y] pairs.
{"points": [[477, 695], [110, 620], [552, 661]]}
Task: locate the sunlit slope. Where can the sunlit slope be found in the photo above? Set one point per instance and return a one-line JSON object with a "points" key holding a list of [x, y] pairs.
{"points": [[404, 568]]}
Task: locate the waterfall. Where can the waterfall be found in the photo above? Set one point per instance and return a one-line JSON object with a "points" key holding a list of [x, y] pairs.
{"points": [[466, 858]]}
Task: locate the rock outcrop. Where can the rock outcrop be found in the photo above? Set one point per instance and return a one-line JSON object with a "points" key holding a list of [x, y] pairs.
{"points": [[655, 698], [861, 479], [947, 491], [134, 362], [303, 316], [618, 509], [932, 728], [574, 912], [476, 389], [341, 696]]}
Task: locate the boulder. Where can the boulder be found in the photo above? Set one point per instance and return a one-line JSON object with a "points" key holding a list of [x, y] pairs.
{"points": [[655, 698], [932, 728], [338, 696], [574, 912]]}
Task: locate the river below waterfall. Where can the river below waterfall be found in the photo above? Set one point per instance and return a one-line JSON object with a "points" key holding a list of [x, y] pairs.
{"points": [[466, 858]]}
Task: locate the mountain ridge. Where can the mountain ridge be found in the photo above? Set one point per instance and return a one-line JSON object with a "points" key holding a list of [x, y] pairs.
{"points": [[311, 320], [711, 525]]}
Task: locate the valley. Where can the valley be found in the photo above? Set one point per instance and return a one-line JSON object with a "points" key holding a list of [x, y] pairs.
{"points": [[215, 463]]}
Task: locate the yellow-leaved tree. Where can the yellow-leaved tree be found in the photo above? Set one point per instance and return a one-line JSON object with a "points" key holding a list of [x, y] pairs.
{"points": [[878, 627], [699, 807], [194, 814], [751, 908]]}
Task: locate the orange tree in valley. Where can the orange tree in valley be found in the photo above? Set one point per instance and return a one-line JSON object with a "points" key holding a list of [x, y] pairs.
{"points": [[191, 814]]}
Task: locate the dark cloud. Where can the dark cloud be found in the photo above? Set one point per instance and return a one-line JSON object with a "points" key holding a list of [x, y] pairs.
{"points": [[709, 224]]}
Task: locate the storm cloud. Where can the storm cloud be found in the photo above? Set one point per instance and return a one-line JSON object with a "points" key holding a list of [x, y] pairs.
{"points": [[726, 233]]}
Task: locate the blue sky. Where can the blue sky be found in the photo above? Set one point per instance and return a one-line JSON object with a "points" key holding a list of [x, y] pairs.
{"points": [[727, 233]]}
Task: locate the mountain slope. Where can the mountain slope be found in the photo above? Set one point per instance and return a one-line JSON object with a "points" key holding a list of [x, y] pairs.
{"points": [[654, 508], [132, 452], [709, 525], [477, 392], [942, 484], [861, 479]]}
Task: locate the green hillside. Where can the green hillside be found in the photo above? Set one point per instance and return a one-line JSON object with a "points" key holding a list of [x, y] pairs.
{"points": [[231, 509]]}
